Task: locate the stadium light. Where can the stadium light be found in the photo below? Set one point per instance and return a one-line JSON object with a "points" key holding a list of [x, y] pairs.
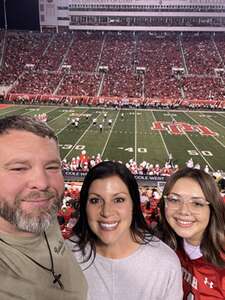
{"points": [[176, 71], [219, 71], [66, 68], [103, 69], [29, 66], [140, 70]]}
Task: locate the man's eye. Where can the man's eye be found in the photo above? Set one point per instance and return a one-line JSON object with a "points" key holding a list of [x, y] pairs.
{"points": [[53, 167], [18, 169]]}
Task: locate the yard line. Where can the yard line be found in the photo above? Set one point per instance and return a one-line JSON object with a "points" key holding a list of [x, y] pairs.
{"points": [[56, 118], [57, 133], [69, 122], [68, 153], [215, 138], [135, 135], [216, 122], [62, 114], [103, 150], [167, 151], [51, 111], [59, 116], [27, 112], [8, 112], [196, 148], [221, 114]]}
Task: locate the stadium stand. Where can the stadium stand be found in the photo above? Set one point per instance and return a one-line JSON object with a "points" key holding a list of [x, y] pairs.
{"points": [[144, 68]]}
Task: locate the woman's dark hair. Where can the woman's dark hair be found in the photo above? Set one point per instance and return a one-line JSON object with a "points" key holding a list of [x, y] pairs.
{"points": [[213, 240], [139, 229]]}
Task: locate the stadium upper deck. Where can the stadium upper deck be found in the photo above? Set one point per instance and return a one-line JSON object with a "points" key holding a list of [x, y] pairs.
{"points": [[130, 15]]}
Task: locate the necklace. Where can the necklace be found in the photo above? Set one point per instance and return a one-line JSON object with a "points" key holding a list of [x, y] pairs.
{"points": [[51, 269]]}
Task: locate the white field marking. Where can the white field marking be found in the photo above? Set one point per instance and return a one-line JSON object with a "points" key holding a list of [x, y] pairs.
{"points": [[67, 123], [106, 143], [91, 124], [3, 113], [135, 136], [221, 114], [168, 114], [196, 148], [60, 115], [140, 109], [167, 151], [11, 111], [211, 119], [215, 138], [27, 112]]}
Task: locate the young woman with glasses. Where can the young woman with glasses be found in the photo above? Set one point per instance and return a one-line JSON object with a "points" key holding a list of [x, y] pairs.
{"points": [[193, 224]]}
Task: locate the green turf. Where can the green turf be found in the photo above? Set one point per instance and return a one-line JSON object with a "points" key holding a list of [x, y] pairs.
{"points": [[132, 136]]}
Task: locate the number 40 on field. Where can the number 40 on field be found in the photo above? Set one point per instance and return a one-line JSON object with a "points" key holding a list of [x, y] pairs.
{"points": [[131, 149]]}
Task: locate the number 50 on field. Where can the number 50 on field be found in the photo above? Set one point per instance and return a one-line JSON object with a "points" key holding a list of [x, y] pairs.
{"points": [[203, 152]]}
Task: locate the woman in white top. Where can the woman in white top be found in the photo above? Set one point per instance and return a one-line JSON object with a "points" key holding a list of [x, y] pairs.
{"points": [[120, 257]]}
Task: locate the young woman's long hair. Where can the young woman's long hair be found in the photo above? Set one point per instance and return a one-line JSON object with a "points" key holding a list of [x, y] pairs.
{"points": [[213, 240], [139, 229]]}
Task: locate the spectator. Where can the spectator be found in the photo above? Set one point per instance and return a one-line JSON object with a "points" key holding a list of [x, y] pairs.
{"points": [[34, 261], [190, 163], [192, 223], [114, 244]]}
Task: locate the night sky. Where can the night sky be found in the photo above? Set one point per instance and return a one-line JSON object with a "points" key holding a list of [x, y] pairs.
{"points": [[21, 14]]}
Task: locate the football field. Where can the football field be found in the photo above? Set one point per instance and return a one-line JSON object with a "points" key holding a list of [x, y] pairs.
{"points": [[148, 135]]}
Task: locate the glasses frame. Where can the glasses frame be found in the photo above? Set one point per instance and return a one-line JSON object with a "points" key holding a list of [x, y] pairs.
{"points": [[165, 198]]}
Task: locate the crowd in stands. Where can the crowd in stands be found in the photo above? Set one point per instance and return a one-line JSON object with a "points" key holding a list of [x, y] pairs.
{"points": [[20, 49], [69, 64], [199, 86], [85, 50], [35, 83], [201, 55], [80, 84]]}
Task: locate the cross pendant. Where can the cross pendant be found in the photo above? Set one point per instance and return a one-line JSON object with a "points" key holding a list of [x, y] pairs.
{"points": [[57, 280]]}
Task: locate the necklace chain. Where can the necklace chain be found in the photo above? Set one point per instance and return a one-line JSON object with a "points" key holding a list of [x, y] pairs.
{"points": [[51, 270]]}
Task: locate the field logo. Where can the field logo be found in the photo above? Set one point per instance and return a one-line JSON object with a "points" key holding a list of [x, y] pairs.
{"points": [[180, 128]]}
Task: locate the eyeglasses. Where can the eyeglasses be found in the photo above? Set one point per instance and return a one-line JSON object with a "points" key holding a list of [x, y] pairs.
{"points": [[194, 204]]}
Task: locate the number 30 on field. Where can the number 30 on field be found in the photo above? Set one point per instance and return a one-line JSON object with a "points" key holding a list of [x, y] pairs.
{"points": [[195, 152]]}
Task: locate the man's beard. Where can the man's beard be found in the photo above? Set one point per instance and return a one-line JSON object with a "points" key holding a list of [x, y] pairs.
{"points": [[28, 222]]}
